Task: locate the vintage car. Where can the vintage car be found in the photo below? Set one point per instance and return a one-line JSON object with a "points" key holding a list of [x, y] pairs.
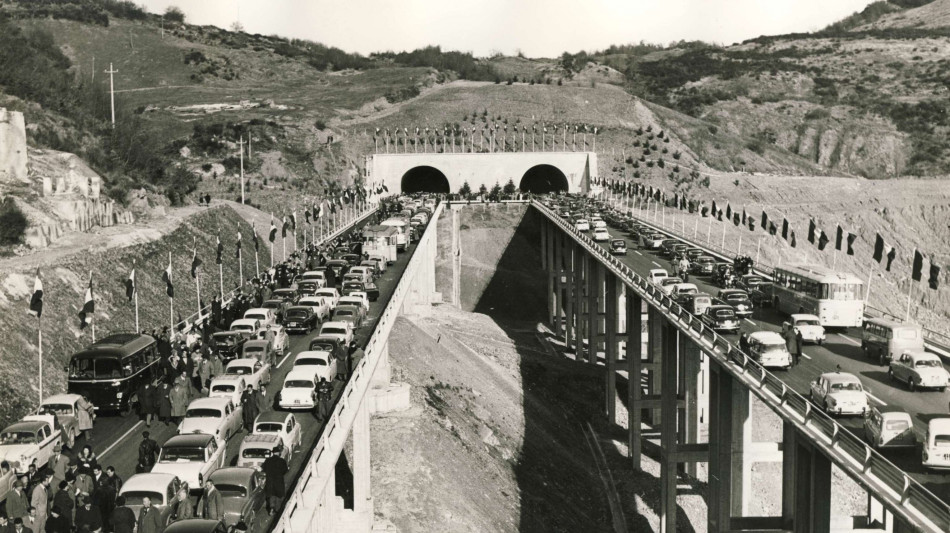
{"points": [[889, 427], [365, 273], [229, 344], [267, 317], [331, 294], [667, 284], [300, 319], [358, 299], [212, 416], [702, 265], [935, 446], [372, 266], [692, 254], [582, 224], [769, 349], [334, 345], [255, 372], [919, 370], [721, 272], [696, 303], [28, 442], [161, 488], [325, 365], [255, 448], [321, 306], [656, 275], [279, 341], [652, 241], [192, 458], [309, 288], [618, 247], [278, 306], [680, 290], [251, 326], [340, 330], [198, 525], [381, 262], [230, 387], [314, 275], [839, 393], [300, 389], [601, 235], [721, 318], [667, 246], [348, 313], [259, 349], [338, 266], [371, 290], [287, 295], [807, 325], [63, 407], [284, 425], [738, 299]]}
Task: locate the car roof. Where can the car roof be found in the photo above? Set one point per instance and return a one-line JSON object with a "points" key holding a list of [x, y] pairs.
{"points": [[767, 337], [146, 481], [189, 439], [272, 416], [350, 307], [243, 361], [61, 398], [334, 323], [840, 377], [719, 307], [302, 372], [256, 342], [260, 440], [312, 353], [118, 344], [300, 308], [283, 291], [233, 475], [941, 424], [208, 403], [922, 354], [193, 525], [227, 378], [26, 425], [263, 310], [245, 322], [732, 291]]}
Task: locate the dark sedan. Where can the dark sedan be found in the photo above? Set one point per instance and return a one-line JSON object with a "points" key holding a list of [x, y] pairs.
{"points": [[738, 299], [228, 344], [300, 319], [242, 490], [371, 290], [721, 318], [339, 267], [288, 295], [348, 313], [702, 265]]}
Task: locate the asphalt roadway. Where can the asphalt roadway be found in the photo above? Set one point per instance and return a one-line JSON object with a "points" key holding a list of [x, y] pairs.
{"points": [[841, 347], [115, 439]]}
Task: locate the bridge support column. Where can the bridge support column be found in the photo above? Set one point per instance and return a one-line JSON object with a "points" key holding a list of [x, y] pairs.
{"points": [[694, 371], [558, 297], [806, 485], [669, 454], [611, 345], [570, 333], [362, 494], [719, 502], [654, 359], [552, 273], [581, 269], [634, 310], [544, 242], [595, 272], [878, 516], [383, 372]]}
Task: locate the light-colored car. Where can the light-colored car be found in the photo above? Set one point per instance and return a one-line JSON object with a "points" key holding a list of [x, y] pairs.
{"points": [[582, 224], [839, 393], [667, 284], [769, 349], [597, 224], [284, 425], [259, 349], [279, 340], [349, 313], [315, 275], [920, 370], [257, 447], [300, 388], [255, 373], [365, 272], [192, 458], [340, 330], [249, 325], [230, 387], [324, 364], [601, 235], [331, 293], [935, 449], [7, 477], [267, 317], [356, 298], [63, 407], [656, 275], [808, 325], [161, 489], [381, 262], [28, 442], [212, 416], [242, 494], [682, 289], [889, 428], [320, 305]]}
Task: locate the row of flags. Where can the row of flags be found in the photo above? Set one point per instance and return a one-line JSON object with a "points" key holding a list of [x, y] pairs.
{"points": [[843, 240], [446, 131], [85, 313]]}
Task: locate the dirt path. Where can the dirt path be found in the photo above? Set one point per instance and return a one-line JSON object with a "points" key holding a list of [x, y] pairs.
{"points": [[395, 108]]}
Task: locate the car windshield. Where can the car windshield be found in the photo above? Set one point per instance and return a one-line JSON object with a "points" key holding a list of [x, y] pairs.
{"points": [[271, 305], [807, 322], [328, 294], [223, 388], [204, 412], [256, 453], [298, 384], [134, 497], [269, 427], [352, 285], [773, 348], [224, 340], [297, 315], [181, 454], [896, 425], [325, 347], [753, 280], [89, 368], [242, 327], [736, 297], [704, 260], [18, 437], [928, 363], [239, 370], [56, 409], [846, 386], [310, 361], [256, 316]]}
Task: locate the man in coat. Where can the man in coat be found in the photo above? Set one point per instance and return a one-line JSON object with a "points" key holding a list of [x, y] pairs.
{"points": [[85, 414], [179, 397], [212, 504], [87, 515], [275, 468], [204, 373], [39, 500], [164, 402], [58, 464], [354, 354], [122, 518], [150, 520], [791, 343], [65, 500], [324, 399], [148, 450], [19, 527], [148, 401], [18, 505], [249, 407]]}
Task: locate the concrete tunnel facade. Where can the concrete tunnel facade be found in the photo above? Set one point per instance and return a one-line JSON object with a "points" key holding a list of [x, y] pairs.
{"points": [[433, 172]]}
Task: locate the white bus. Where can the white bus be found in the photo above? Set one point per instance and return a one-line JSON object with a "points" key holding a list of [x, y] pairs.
{"points": [[402, 227], [836, 298]]}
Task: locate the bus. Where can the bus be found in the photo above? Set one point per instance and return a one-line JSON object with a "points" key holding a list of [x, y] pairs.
{"points": [[110, 372], [836, 298], [403, 237]]}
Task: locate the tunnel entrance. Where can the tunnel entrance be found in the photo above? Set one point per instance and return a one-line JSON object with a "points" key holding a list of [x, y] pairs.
{"points": [[425, 179], [541, 179]]}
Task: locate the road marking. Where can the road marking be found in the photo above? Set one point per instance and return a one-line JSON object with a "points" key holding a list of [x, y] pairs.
{"points": [[805, 355], [657, 264], [750, 322], [849, 339], [120, 439], [638, 253], [289, 353], [875, 398]]}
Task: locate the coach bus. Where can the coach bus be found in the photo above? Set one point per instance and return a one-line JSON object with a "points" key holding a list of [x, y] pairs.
{"points": [[110, 372], [836, 298]]}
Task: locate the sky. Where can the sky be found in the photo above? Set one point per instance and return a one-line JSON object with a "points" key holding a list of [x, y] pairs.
{"points": [[538, 28]]}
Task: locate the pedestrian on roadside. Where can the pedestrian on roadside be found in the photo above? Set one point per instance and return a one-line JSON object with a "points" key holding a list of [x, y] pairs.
{"points": [[178, 398], [274, 468], [355, 353], [164, 402], [85, 414], [122, 518], [249, 407], [799, 344], [57, 523], [87, 515], [65, 499], [791, 343], [150, 520], [324, 398], [184, 510], [212, 504], [148, 401], [18, 505], [204, 373], [148, 449], [58, 464]]}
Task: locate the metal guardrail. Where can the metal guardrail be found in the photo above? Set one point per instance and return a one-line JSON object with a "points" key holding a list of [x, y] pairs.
{"points": [[894, 488], [320, 465], [935, 341]]}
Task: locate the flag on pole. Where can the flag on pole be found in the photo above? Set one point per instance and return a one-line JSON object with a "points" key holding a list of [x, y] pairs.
{"points": [[785, 228], [839, 237], [273, 231], [743, 216], [130, 285], [306, 216], [195, 264], [765, 220], [918, 272], [822, 241], [793, 242], [167, 278], [237, 247], [879, 248], [293, 221], [811, 231], [728, 210], [851, 238], [284, 227], [88, 307], [219, 250], [891, 254], [934, 280], [773, 229], [36, 301]]}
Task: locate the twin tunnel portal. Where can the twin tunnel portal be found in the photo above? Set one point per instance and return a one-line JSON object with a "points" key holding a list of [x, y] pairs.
{"points": [[539, 179]]}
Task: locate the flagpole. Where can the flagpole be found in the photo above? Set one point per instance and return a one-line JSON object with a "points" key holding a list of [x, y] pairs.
{"points": [[198, 291], [135, 296], [257, 263], [221, 279], [910, 291], [283, 242], [709, 229], [240, 268], [758, 246], [171, 303], [867, 290], [39, 336]]}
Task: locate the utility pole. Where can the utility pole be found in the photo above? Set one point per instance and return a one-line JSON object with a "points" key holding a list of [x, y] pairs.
{"points": [[110, 72], [241, 145], [93, 69]]}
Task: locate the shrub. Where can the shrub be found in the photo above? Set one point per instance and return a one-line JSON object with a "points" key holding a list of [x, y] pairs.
{"points": [[174, 14], [12, 223]]}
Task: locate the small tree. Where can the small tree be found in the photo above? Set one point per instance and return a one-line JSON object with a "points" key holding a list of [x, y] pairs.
{"points": [[495, 194], [465, 191], [175, 14], [510, 188], [482, 190]]}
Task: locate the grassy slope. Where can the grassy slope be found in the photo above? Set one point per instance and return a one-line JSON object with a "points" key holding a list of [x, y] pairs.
{"points": [[64, 285]]}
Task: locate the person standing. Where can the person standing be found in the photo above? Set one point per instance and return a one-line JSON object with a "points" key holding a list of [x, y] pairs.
{"points": [[58, 464], [217, 366], [799, 344], [275, 468], [148, 449], [64, 500], [148, 402], [18, 505], [184, 509], [164, 402], [204, 374], [355, 353], [107, 489], [150, 520], [178, 397], [791, 343], [39, 500], [324, 398], [85, 414], [249, 407], [212, 505], [88, 516], [122, 518]]}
